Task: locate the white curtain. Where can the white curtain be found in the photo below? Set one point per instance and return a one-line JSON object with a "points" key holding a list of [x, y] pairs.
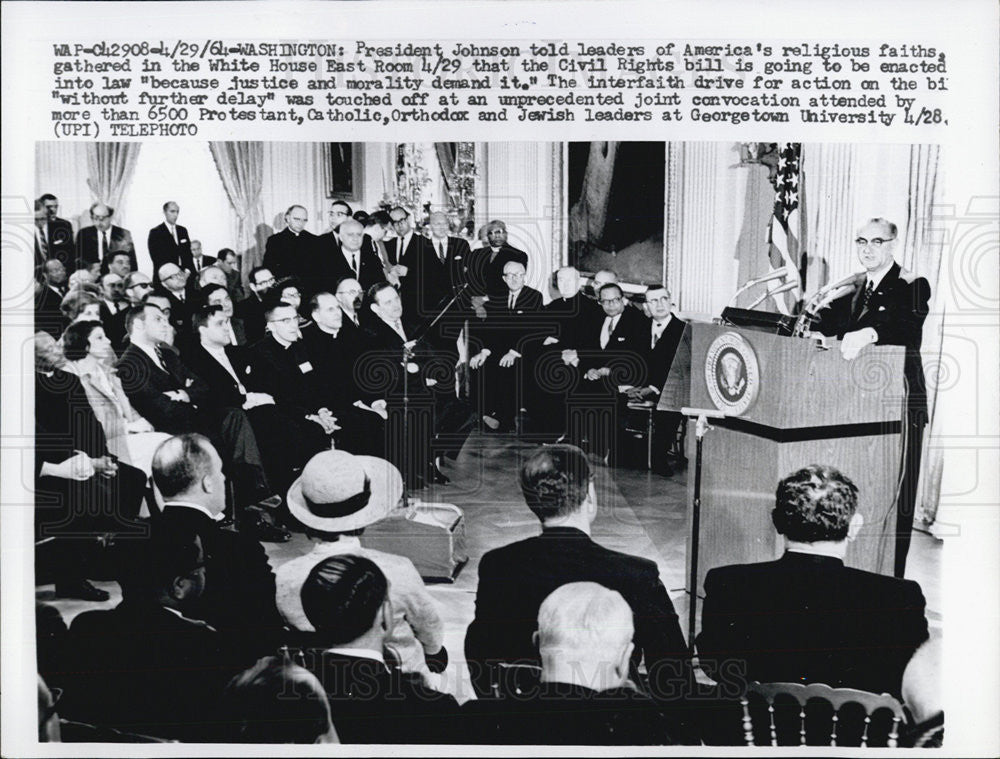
{"points": [[241, 167], [110, 166]]}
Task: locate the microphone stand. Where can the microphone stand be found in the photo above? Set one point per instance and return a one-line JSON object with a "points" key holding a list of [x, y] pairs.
{"points": [[702, 427], [408, 347]]}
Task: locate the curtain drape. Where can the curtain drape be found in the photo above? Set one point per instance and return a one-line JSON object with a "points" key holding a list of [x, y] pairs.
{"points": [[110, 166], [241, 167], [447, 154]]}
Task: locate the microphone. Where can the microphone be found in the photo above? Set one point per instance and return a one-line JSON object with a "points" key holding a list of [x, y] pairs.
{"points": [[832, 295], [782, 289], [782, 273], [850, 279]]}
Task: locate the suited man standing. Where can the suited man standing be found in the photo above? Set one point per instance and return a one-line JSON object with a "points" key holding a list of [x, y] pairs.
{"points": [[859, 628], [54, 236], [514, 580], [415, 263], [504, 339], [888, 307], [486, 266], [97, 242], [292, 251], [347, 253], [446, 276], [169, 242]]}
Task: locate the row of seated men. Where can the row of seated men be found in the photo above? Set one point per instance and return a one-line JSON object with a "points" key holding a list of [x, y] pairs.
{"points": [[596, 627]]}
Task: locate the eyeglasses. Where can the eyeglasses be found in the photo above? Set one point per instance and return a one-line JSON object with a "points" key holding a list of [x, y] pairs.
{"points": [[514, 274], [661, 299], [875, 242], [610, 301], [352, 291], [268, 281], [399, 221], [143, 285], [286, 320]]}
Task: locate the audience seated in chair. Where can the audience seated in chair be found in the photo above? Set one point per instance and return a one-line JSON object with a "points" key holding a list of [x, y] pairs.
{"points": [[806, 617], [514, 581], [277, 701], [584, 695], [336, 498], [346, 600], [90, 357], [149, 666]]}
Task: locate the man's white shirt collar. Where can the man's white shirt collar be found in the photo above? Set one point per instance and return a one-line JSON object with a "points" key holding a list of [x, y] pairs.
{"points": [[197, 507]]}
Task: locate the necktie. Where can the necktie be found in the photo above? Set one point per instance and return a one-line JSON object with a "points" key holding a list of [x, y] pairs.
{"points": [[173, 233], [510, 302], [863, 303], [657, 334], [43, 244], [354, 263], [104, 237], [398, 326], [606, 332], [440, 248], [159, 356]]}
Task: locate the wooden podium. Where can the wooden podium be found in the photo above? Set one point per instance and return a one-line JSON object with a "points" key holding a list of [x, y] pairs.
{"points": [[792, 403]]}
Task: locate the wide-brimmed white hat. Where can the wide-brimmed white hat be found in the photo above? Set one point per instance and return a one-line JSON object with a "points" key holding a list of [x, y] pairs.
{"points": [[340, 492]]}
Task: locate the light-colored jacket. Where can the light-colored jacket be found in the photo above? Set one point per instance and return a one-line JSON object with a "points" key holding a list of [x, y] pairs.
{"points": [[417, 627]]}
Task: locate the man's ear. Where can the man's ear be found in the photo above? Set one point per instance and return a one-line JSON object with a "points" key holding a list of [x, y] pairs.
{"points": [[206, 483], [534, 639], [590, 502], [387, 616], [624, 660], [857, 521]]}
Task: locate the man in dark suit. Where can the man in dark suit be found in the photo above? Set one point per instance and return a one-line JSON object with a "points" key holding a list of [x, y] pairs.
{"points": [[585, 644], [174, 284], [505, 339], [485, 269], [433, 421], [54, 238], [239, 599], [888, 307], [96, 243], [48, 297], [292, 251], [346, 600], [665, 333], [175, 400], [806, 617], [199, 260], [283, 370], [447, 276], [565, 322], [149, 666], [412, 259], [251, 308], [218, 295], [352, 336], [227, 371], [364, 432], [612, 353], [113, 299], [169, 243], [347, 252], [515, 579]]}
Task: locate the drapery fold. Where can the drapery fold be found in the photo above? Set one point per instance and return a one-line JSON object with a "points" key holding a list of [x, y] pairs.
{"points": [[110, 167], [241, 167]]}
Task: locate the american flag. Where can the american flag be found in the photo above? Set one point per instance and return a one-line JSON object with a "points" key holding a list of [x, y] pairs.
{"points": [[784, 231]]}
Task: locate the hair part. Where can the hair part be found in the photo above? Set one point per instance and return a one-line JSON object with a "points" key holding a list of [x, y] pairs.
{"points": [[180, 462], [341, 597]]}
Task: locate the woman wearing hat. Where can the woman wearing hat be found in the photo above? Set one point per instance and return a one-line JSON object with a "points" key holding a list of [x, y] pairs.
{"points": [[337, 496]]}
